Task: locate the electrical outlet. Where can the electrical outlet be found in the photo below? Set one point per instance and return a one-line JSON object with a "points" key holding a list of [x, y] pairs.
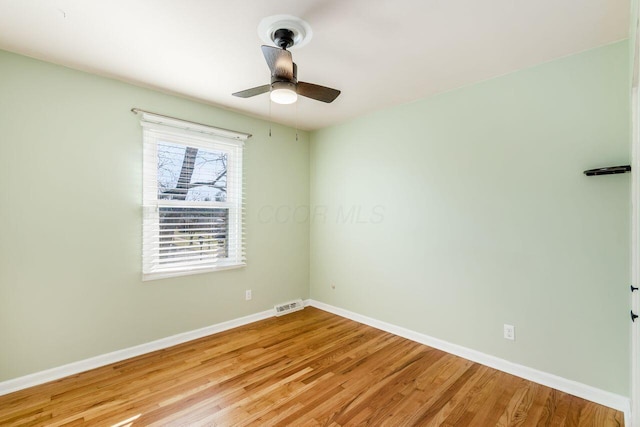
{"points": [[247, 294], [333, 286], [509, 332]]}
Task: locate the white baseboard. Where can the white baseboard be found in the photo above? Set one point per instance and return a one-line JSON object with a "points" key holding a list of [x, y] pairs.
{"points": [[52, 374], [574, 388]]}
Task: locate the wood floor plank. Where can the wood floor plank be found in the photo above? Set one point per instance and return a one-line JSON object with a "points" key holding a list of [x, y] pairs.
{"points": [[309, 368]]}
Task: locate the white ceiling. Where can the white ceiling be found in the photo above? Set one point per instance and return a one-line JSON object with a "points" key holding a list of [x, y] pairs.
{"points": [[377, 52]]}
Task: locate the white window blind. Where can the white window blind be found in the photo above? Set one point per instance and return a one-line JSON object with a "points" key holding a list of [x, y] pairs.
{"points": [[193, 206]]}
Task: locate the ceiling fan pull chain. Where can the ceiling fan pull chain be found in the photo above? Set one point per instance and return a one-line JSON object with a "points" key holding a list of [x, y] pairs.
{"points": [[269, 118]]}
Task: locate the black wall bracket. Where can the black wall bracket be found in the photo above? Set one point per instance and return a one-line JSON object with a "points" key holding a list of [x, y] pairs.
{"points": [[610, 170], [633, 316], [633, 288]]}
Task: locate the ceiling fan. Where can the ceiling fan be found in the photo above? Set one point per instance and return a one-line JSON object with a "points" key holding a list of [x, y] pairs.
{"points": [[285, 86]]}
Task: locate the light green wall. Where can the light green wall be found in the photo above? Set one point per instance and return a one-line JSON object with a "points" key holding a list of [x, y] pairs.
{"points": [[70, 220], [474, 212], [633, 30]]}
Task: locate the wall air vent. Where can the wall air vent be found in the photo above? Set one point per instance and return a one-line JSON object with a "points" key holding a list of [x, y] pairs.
{"points": [[289, 307]]}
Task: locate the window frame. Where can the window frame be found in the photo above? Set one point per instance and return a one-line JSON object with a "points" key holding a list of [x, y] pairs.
{"points": [[157, 129]]}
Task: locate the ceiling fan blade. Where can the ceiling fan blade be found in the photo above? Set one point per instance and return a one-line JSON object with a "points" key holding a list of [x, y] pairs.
{"points": [[320, 93], [279, 61], [253, 91]]}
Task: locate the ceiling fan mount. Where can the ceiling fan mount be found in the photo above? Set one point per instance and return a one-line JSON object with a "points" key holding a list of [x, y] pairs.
{"points": [[298, 30], [283, 38], [285, 32]]}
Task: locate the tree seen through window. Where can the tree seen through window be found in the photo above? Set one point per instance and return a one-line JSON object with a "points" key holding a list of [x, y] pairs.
{"points": [[197, 175]]}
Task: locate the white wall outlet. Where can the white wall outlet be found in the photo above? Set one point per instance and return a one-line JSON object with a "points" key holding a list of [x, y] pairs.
{"points": [[509, 332], [247, 294], [333, 286]]}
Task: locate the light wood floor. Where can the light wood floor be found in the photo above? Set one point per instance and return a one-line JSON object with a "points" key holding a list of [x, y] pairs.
{"points": [[307, 368]]}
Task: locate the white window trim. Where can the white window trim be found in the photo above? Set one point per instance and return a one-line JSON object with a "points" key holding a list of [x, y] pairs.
{"points": [[202, 136]]}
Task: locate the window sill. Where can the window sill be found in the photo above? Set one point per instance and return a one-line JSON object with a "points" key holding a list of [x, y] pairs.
{"points": [[168, 274]]}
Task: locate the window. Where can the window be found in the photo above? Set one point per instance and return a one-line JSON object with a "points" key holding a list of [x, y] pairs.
{"points": [[192, 198]]}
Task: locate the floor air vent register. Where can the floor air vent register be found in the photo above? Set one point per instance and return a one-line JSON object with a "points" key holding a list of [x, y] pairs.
{"points": [[289, 307]]}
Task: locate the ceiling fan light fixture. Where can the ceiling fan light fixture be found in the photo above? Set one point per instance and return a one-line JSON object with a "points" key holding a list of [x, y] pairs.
{"points": [[283, 93]]}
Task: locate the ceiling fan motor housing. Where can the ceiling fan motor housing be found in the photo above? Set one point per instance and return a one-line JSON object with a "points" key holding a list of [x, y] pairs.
{"points": [[283, 38], [283, 84]]}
